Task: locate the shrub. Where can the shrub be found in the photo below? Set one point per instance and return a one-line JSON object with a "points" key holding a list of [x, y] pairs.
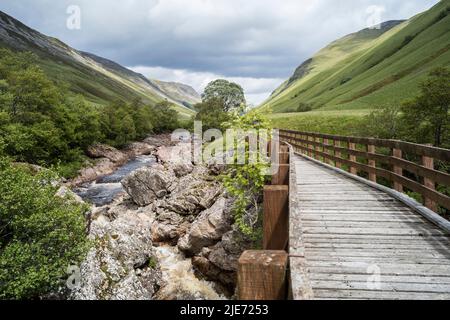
{"points": [[40, 234], [246, 182], [304, 107]]}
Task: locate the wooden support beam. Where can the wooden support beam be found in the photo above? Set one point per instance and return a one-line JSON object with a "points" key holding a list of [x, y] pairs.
{"points": [[262, 275], [429, 163], [353, 170], [284, 148], [281, 178], [372, 163], [284, 157], [276, 217], [397, 153]]}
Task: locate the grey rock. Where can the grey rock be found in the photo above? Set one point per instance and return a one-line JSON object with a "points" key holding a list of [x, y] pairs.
{"points": [[208, 229], [148, 184], [117, 267], [105, 151], [192, 196]]}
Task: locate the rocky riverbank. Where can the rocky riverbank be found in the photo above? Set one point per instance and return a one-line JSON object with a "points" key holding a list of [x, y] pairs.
{"points": [[174, 212], [107, 159]]}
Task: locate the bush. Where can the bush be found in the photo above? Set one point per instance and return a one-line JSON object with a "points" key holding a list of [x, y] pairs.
{"points": [[40, 234], [304, 107], [246, 182]]}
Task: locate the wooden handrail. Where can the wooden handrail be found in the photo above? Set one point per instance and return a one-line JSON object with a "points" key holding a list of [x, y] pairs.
{"points": [[408, 147], [333, 148]]}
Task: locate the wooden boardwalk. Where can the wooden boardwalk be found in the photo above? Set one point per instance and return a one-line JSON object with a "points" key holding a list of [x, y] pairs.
{"points": [[349, 240]]}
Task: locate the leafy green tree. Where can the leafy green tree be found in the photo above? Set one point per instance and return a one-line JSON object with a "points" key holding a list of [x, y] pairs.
{"points": [[119, 125], [166, 118], [143, 117], [211, 114], [384, 123], [40, 234], [231, 94], [426, 118]]}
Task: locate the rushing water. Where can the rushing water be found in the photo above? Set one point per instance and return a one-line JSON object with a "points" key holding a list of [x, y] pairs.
{"points": [[181, 282], [104, 190]]}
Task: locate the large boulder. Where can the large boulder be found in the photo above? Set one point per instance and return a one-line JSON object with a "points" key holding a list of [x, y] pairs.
{"points": [[108, 152], [220, 261], [192, 196], [139, 148], [102, 167], [148, 184], [207, 229], [169, 227], [178, 157], [122, 264]]}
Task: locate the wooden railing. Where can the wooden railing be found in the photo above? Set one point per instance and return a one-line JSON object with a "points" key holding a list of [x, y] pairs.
{"points": [[405, 165], [263, 274]]}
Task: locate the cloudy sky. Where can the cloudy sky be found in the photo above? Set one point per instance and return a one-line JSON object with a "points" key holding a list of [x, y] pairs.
{"points": [[257, 43]]}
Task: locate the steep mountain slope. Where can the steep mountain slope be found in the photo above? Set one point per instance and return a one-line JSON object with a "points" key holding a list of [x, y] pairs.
{"points": [[370, 68], [179, 92], [98, 79]]}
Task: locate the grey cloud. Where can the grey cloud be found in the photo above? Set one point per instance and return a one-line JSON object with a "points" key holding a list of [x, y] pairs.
{"points": [[231, 38]]}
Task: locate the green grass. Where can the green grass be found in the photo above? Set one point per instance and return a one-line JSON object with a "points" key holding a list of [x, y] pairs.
{"points": [[367, 69], [330, 122]]}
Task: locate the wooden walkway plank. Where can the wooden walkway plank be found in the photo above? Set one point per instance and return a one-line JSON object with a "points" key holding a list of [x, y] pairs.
{"points": [[344, 231]]}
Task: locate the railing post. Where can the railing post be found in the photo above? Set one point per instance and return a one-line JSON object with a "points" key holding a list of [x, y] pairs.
{"points": [[317, 149], [262, 275], [282, 176], [276, 217], [352, 146], [372, 163], [325, 150], [338, 154], [429, 163], [310, 147], [397, 153]]}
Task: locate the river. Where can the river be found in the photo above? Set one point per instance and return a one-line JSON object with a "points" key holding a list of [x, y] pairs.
{"points": [[177, 271], [103, 191]]}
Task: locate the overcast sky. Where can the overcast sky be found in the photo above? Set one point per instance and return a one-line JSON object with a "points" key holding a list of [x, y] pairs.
{"points": [[257, 43]]}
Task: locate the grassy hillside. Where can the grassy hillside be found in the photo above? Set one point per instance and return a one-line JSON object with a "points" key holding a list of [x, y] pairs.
{"points": [[340, 122], [179, 92], [99, 80], [370, 68]]}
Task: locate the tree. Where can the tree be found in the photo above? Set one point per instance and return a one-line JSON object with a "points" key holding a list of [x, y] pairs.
{"points": [[166, 118], [40, 233], [426, 118], [231, 94], [211, 114], [384, 123]]}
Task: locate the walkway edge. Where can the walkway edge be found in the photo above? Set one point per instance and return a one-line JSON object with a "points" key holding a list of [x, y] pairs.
{"points": [[300, 288], [413, 204]]}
